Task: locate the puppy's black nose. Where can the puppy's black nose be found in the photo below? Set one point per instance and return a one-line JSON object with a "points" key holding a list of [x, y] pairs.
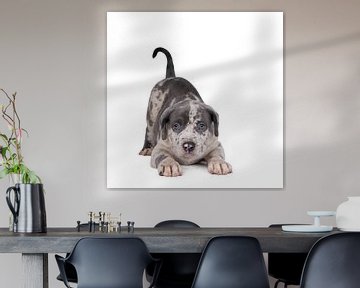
{"points": [[189, 146]]}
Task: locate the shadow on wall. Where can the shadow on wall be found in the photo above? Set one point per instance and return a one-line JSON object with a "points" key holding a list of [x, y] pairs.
{"points": [[322, 120]]}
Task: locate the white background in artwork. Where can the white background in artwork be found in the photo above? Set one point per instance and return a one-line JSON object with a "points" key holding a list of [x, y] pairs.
{"points": [[234, 59]]}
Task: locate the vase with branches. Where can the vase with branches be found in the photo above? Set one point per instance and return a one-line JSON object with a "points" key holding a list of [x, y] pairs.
{"points": [[11, 158]]}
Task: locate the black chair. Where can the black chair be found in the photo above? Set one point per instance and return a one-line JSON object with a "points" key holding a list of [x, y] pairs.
{"points": [[232, 262], [108, 262], [286, 267], [333, 262], [178, 269], [69, 269]]}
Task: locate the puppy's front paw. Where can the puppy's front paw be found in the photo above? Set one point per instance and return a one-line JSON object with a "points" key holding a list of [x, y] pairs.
{"points": [[169, 168], [146, 151], [219, 167]]}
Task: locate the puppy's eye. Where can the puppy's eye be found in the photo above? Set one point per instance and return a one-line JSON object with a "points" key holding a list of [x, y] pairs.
{"points": [[176, 127], [201, 126]]}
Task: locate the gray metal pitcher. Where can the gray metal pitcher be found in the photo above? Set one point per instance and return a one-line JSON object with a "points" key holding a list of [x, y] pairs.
{"points": [[28, 207]]}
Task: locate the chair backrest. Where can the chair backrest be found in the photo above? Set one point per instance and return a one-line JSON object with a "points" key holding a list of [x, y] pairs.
{"points": [[178, 269], [232, 262], [287, 267], [176, 224], [333, 262], [110, 262]]}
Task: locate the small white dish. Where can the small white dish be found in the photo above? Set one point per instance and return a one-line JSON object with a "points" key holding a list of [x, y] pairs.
{"points": [[316, 227], [306, 228], [321, 213]]}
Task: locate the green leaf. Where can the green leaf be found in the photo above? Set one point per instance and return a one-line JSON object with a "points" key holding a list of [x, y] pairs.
{"points": [[26, 132], [33, 177], [3, 151], [4, 173], [27, 175], [4, 137]]}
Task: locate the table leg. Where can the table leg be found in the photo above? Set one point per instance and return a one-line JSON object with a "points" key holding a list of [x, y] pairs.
{"points": [[35, 270]]}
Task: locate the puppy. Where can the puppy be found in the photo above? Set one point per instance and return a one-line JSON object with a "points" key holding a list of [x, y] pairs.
{"points": [[181, 128]]}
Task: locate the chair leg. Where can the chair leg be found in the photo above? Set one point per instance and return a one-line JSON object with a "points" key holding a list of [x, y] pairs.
{"points": [[279, 281]]}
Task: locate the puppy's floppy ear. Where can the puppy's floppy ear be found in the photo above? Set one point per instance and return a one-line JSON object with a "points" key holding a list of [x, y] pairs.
{"points": [[214, 118], [164, 119]]}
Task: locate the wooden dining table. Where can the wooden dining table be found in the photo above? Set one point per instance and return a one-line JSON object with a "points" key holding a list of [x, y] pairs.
{"points": [[35, 247]]}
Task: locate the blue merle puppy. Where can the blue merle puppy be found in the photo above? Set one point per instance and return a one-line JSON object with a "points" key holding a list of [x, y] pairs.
{"points": [[181, 128]]}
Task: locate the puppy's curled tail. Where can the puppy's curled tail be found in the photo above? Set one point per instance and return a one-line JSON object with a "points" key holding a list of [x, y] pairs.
{"points": [[170, 72]]}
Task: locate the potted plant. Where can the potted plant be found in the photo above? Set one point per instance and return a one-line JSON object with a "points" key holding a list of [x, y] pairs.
{"points": [[26, 198], [11, 158]]}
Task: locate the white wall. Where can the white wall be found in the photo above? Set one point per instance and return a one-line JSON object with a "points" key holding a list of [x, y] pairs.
{"points": [[53, 53]]}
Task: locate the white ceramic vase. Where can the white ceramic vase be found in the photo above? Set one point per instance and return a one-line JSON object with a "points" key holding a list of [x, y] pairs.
{"points": [[15, 179], [348, 214]]}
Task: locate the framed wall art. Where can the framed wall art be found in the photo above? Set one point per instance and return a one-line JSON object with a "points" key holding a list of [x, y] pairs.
{"points": [[221, 95]]}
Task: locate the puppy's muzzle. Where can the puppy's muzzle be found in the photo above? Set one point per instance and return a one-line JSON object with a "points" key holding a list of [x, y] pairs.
{"points": [[188, 146]]}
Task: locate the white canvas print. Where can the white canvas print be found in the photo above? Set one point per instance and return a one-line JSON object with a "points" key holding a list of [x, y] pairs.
{"points": [[205, 109]]}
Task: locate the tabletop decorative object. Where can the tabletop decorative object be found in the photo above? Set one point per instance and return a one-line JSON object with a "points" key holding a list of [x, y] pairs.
{"points": [[315, 227], [348, 214], [25, 197]]}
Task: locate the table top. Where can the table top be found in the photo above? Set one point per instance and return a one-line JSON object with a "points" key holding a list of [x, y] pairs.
{"points": [[158, 240]]}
